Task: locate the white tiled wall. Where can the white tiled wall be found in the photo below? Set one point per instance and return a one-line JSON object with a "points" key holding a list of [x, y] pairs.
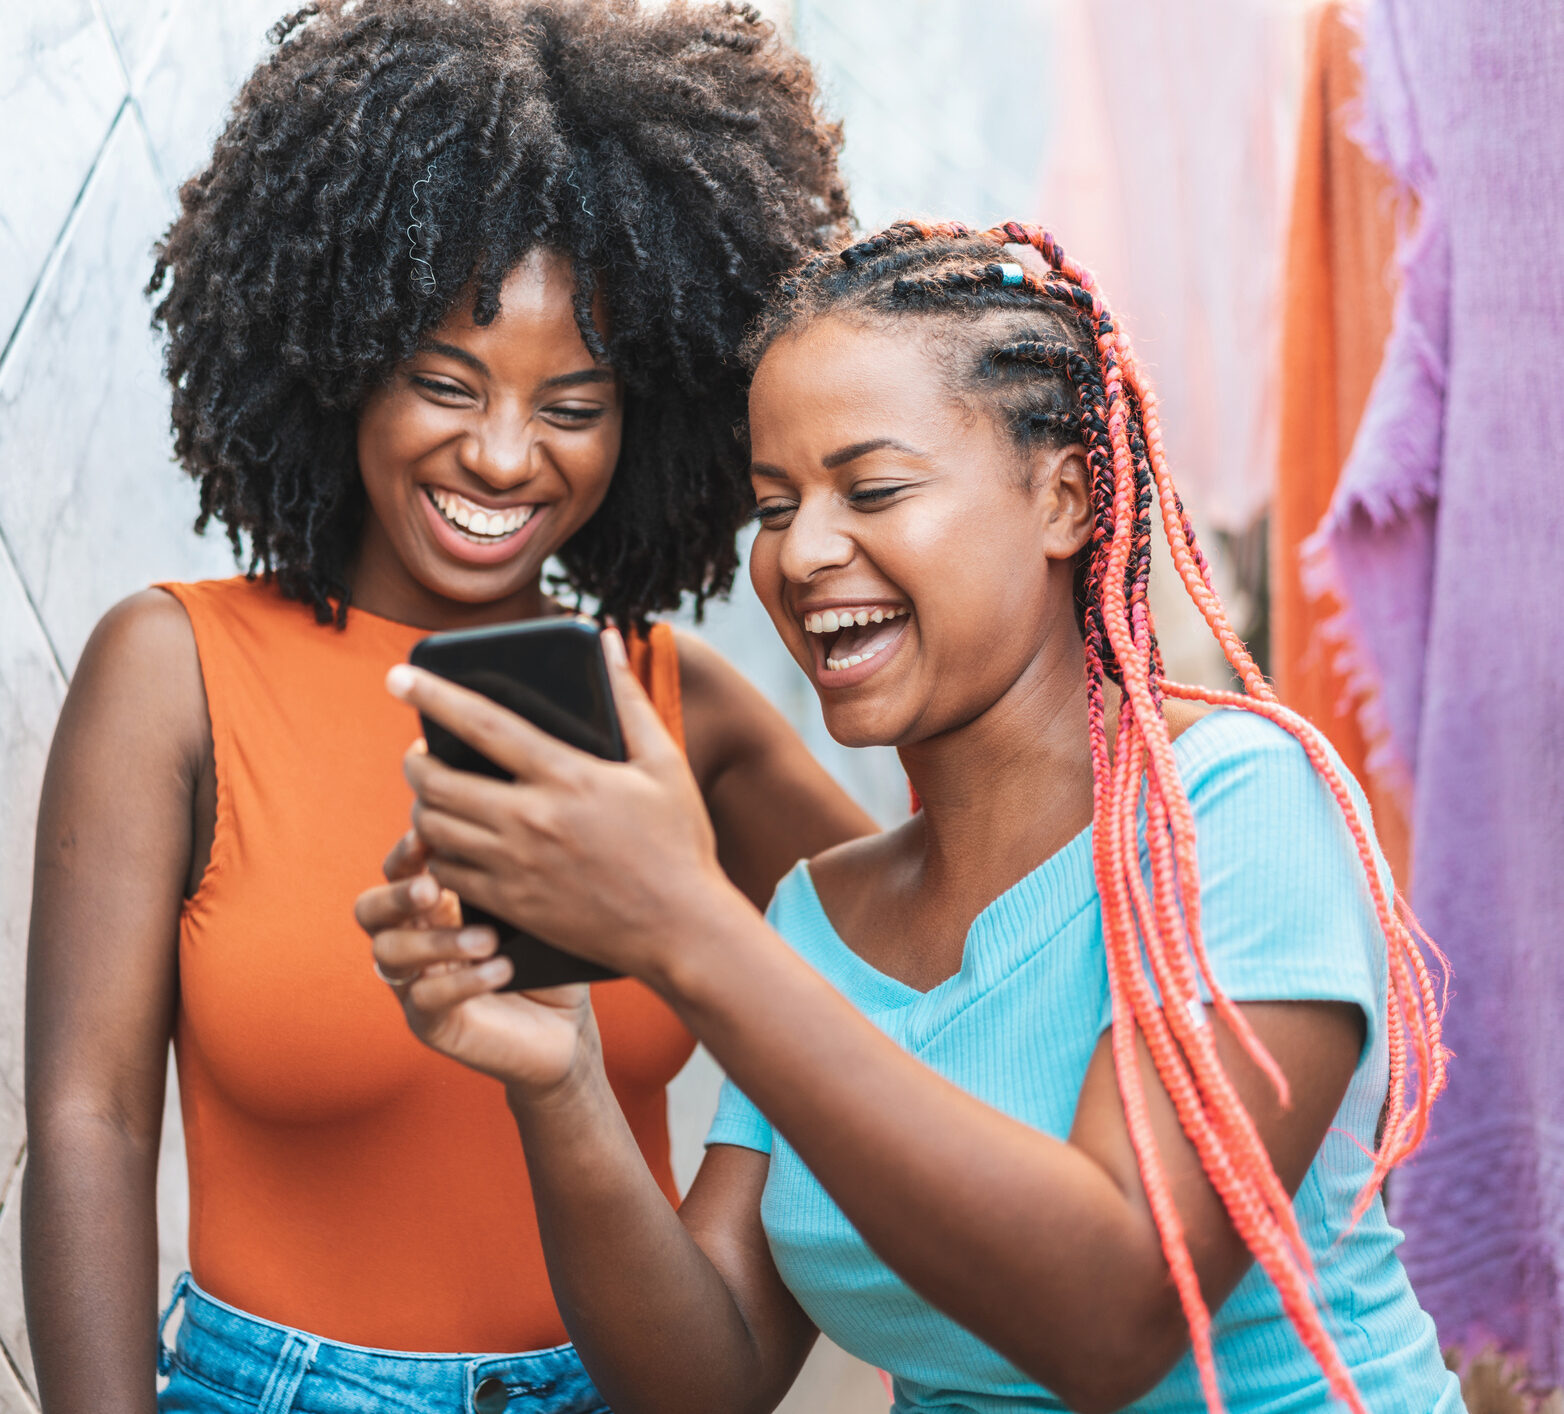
{"points": [[102, 108], [105, 106]]}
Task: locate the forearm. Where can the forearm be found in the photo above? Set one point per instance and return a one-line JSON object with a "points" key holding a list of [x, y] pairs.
{"points": [[1019, 1236], [89, 1265], [656, 1324]]}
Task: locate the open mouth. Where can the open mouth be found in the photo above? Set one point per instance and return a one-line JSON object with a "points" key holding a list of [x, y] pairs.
{"points": [[483, 525], [853, 634]]}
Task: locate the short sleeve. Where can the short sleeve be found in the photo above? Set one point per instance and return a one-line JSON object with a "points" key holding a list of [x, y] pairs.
{"points": [[738, 1122], [1285, 907]]}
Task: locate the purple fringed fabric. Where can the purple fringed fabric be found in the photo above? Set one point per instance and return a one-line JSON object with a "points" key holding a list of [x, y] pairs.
{"points": [[1446, 542]]}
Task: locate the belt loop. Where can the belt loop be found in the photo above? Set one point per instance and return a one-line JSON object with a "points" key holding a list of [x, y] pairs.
{"points": [[298, 1354], [165, 1356]]}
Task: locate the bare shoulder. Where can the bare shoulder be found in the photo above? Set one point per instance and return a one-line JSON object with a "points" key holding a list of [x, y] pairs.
{"points": [[1181, 715], [706, 678], [845, 869], [139, 677], [726, 718]]}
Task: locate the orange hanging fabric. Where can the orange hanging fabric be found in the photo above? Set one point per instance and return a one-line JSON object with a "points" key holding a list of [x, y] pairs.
{"points": [[1337, 299]]}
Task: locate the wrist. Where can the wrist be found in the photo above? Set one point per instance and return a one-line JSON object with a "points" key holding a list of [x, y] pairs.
{"points": [[577, 1085], [693, 955]]}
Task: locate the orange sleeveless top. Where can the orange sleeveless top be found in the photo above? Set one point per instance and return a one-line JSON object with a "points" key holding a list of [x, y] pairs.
{"points": [[345, 1179]]}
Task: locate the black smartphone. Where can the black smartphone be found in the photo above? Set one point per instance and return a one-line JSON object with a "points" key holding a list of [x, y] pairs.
{"points": [[552, 672]]}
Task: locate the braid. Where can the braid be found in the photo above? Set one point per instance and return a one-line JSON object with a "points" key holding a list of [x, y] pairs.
{"points": [[1062, 371]]}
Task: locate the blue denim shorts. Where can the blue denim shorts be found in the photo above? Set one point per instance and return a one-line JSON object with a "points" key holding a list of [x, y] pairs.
{"points": [[226, 1362]]}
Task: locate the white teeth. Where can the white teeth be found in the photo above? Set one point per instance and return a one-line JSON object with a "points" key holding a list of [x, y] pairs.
{"points": [[480, 522], [836, 665], [830, 620]]}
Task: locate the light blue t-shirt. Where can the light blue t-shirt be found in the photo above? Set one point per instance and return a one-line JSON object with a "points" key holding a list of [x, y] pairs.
{"points": [[1286, 916]]}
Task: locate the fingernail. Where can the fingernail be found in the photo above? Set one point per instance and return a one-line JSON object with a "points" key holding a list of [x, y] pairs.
{"points": [[399, 681], [614, 648], [497, 969], [420, 747], [476, 940], [424, 890]]}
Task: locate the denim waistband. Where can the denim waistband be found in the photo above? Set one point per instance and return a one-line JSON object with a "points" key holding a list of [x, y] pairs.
{"points": [[277, 1369]]}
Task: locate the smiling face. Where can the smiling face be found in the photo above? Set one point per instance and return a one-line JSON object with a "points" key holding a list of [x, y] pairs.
{"points": [[483, 454], [915, 560]]}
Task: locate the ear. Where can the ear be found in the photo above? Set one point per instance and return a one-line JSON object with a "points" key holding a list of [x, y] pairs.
{"points": [[1063, 484]]}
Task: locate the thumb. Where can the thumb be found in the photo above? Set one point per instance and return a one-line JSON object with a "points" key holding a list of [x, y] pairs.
{"points": [[644, 733]]}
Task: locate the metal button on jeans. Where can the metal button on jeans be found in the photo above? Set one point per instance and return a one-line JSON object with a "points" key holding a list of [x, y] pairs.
{"points": [[491, 1396]]}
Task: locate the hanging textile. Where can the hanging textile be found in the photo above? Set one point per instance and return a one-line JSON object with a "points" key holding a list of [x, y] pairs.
{"points": [[1444, 543], [1336, 305], [1167, 176]]}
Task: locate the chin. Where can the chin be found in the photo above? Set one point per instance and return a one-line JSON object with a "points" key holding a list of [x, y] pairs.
{"points": [[860, 727]]}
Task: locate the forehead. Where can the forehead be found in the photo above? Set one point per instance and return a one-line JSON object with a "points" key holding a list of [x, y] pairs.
{"points": [[536, 319], [836, 371]]}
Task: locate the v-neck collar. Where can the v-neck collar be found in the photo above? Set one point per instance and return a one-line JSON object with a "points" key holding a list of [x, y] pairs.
{"points": [[1013, 927]]}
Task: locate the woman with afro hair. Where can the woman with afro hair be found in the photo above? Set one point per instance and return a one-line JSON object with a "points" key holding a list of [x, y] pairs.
{"points": [[461, 290]]}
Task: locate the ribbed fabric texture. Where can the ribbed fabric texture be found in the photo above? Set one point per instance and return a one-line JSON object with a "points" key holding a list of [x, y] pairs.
{"points": [[1287, 917]]}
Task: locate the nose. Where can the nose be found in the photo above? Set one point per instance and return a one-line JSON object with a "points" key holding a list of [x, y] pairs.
{"points": [[814, 540], [499, 450]]}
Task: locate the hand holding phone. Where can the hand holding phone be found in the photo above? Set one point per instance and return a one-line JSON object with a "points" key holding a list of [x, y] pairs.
{"points": [[552, 672]]}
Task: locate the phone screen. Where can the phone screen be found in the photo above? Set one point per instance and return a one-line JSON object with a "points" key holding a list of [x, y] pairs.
{"points": [[552, 672]]}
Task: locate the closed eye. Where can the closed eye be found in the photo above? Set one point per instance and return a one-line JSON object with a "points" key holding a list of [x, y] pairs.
{"points": [[775, 512], [874, 496], [445, 390], [574, 416]]}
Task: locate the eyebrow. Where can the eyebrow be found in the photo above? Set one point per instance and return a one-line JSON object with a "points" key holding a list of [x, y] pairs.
{"points": [[460, 355], [560, 380], [843, 455], [581, 375]]}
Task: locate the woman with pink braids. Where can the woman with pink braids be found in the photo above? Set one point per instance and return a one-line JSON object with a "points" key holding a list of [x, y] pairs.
{"points": [[1077, 1090]]}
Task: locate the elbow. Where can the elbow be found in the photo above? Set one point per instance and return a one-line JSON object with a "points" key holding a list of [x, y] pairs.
{"points": [[1122, 1360]]}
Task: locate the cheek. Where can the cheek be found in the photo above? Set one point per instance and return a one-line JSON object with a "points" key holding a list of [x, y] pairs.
{"points": [[587, 461], [985, 605], [763, 569], [391, 436], [765, 574]]}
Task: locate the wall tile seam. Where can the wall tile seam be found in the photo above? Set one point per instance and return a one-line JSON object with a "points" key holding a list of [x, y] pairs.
{"points": [[11, 1193], [51, 261], [114, 44], [32, 607], [129, 81], [16, 1374]]}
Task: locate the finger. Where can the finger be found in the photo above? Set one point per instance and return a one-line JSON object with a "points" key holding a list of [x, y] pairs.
{"points": [[470, 883], [479, 799], [404, 951], [390, 905], [445, 990], [506, 739], [451, 837], [408, 856], [645, 734]]}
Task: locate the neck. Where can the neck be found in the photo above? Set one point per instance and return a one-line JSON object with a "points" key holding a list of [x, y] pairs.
{"points": [[382, 585], [1012, 786]]}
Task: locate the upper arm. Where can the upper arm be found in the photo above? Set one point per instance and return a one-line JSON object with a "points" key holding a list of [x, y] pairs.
{"points": [[1293, 941], [771, 803], [721, 1213], [112, 857], [1316, 1044]]}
